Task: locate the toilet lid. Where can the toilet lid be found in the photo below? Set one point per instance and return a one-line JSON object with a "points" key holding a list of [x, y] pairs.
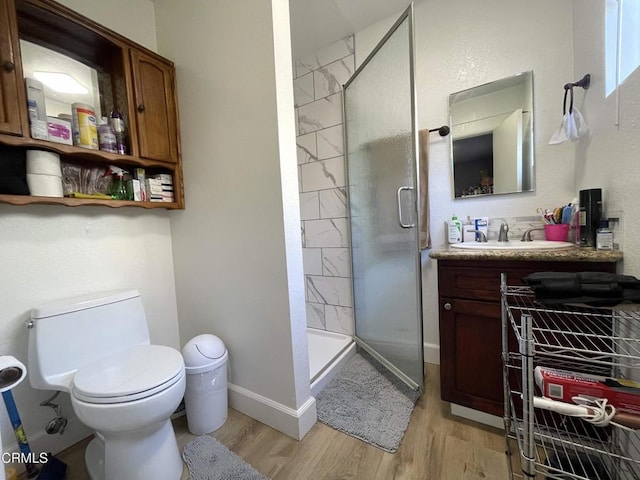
{"points": [[135, 373]]}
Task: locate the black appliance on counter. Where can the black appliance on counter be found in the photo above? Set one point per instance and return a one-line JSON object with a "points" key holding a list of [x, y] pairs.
{"points": [[590, 214]]}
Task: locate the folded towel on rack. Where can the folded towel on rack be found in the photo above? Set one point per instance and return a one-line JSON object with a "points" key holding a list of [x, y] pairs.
{"points": [[591, 288]]}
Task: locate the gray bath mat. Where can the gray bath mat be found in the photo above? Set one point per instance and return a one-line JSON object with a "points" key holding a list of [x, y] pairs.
{"points": [[208, 459], [365, 401]]}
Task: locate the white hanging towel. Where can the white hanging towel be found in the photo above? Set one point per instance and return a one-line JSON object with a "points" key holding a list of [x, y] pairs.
{"points": [[572, 128]]}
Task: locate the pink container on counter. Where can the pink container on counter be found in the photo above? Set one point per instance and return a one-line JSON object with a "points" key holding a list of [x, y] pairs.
{"points": [[557, 232]]}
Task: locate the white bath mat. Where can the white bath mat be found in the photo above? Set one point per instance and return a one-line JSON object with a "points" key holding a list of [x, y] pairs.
{"points": [[208, 459]]}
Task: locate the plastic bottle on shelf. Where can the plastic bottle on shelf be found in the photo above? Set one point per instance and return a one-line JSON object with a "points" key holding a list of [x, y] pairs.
{"points": [[119, 129], [604, 236], [118, 188], [106, 137]]}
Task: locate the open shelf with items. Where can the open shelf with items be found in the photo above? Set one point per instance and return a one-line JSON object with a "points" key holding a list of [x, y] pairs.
{"points": [[44, 36], [573, 338]]}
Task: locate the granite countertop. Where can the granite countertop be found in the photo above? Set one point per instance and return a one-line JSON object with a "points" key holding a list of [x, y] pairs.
{"points": [[573, 254]]}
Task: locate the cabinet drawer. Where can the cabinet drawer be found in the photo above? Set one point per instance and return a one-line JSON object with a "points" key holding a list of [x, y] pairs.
{"points": [[468, 282], [480, 280]]}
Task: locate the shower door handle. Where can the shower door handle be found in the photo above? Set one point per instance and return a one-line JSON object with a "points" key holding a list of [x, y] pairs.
{"points": [[398, 198]]}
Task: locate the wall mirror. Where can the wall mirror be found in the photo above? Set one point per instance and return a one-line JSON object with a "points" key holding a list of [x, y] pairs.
{"points": [[64, 79], [492, 137], [77, 62]]}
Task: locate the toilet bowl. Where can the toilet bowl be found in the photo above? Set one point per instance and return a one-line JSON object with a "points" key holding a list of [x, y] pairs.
{"points": [[128, 398], [120, 385]]}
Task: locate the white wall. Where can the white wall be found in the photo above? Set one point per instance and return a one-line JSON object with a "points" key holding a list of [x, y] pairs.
{"points": [[237, 255], [51, 252], [609, 160], [132, 18], [461, 44]]}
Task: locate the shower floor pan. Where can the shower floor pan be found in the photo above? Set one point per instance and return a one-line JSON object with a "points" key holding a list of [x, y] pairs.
{"points": [[328, 352]]}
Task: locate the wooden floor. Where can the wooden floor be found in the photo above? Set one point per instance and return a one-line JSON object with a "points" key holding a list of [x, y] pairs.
{"points": [[436, 446]]}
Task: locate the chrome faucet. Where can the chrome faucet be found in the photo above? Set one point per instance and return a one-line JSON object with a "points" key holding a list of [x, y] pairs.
{"points": [[480, 237], [504, 230], [526, 236]]}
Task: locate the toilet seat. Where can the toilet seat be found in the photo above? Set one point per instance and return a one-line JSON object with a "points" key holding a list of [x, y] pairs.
{"points": [[138, 372]]}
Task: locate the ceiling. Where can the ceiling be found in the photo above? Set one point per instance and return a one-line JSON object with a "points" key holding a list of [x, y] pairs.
{"points": [[318, 23]]}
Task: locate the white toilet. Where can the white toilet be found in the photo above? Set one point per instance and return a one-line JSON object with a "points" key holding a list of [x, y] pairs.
{"points": [[97, 349]]}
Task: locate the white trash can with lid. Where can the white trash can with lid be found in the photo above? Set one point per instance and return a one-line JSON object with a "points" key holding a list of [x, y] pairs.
{"points": [[205, 398]]}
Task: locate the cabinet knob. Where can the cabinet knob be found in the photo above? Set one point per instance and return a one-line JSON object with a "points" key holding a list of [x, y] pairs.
{"points": [[8, 66], [447, 306], [141, 108]]}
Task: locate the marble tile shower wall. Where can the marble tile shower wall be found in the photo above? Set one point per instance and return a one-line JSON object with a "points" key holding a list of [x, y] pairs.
{"points": [[322, 185]]}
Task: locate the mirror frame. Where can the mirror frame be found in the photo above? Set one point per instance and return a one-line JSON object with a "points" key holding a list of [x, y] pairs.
{"points": [[527, 176]]}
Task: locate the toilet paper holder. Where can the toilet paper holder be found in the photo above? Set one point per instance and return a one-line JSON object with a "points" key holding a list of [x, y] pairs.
{"points": [[12, 372]]}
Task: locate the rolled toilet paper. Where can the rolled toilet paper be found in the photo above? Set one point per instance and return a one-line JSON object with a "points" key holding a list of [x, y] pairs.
{"points": [[44, 185], [12, 372], [43, 163]]}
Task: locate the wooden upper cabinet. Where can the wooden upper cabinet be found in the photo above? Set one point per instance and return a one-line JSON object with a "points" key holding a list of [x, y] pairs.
{"points": [[130, 79], [155, 107], [11, 97]]}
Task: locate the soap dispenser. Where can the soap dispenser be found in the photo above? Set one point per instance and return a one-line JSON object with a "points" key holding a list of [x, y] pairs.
{"points": [[454, 230]]}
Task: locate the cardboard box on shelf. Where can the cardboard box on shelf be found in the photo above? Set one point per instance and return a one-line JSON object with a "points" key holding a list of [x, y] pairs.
{"points": [[59, 131], [165, 178], [140, 175], [564, 385], [37, 109], [154, 187]]}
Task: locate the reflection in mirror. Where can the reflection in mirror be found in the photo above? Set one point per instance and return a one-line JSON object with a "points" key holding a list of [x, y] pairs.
{"points": [[492, 137], [65, 80]]}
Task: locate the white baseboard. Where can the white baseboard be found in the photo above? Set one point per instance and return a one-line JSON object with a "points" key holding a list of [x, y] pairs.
{"points": [[295, 423], [431, 353], [477, 416]]}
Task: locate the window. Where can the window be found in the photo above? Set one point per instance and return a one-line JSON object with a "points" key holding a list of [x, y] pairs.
{"points": [[622, 24]]}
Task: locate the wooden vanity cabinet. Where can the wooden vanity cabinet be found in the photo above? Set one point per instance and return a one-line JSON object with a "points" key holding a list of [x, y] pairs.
{"points": [[137, 82], [470, 325], [12, 98]]}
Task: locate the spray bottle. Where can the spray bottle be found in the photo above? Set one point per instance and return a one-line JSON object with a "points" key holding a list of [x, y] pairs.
{"points": [[119, 129], [117, 190]]}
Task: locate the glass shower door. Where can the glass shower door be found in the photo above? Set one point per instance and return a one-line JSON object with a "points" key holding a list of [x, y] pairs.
{"points": [[381, 140]]}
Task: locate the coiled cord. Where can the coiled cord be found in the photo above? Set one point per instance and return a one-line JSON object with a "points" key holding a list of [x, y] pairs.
{"points": [[603, 412]]}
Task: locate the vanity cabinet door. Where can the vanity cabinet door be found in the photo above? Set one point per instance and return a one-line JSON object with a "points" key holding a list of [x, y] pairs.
{"points": [[11, 91], [471, 354], [155, 109]]}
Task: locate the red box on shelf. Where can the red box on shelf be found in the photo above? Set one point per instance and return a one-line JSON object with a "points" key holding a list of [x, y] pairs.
{"points": [[564, 385]]}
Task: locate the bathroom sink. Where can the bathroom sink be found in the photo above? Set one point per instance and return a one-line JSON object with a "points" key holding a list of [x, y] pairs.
{"points": [[513, 245]]}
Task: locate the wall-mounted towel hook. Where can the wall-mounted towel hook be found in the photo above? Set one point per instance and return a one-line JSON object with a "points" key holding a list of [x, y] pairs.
{"points": [[584, 82], [443, 130]]}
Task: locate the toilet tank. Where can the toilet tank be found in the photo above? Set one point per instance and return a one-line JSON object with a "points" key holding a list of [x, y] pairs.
{"points": [[67, 334]]}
